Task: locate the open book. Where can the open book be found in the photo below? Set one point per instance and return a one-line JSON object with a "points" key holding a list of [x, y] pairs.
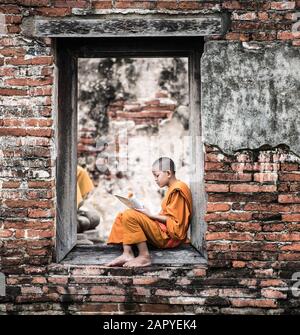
{"points": [[130, 202]]}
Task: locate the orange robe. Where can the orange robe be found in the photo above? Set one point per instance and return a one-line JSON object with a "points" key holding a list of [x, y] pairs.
{"points": [[84, 183], [132, 227]]}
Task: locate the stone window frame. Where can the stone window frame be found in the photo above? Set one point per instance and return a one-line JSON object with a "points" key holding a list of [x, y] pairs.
{"points": [[67, 52]]}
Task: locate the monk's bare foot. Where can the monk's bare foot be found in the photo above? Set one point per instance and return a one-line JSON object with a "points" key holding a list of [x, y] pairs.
{"points": [[138, 262], [119, 261]]}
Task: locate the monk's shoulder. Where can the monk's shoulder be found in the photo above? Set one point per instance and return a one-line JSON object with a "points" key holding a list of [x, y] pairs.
{"points": [[181, 186]]}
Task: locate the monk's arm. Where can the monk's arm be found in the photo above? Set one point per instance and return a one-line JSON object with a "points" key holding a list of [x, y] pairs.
{"points": [[178, 215], [160, 218]]}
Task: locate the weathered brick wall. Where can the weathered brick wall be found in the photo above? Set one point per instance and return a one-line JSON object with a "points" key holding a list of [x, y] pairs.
{"points": [[253, 197], [253, 210]]}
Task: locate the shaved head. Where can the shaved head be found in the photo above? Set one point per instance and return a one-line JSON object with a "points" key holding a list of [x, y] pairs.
{"points": [[164, 164]]}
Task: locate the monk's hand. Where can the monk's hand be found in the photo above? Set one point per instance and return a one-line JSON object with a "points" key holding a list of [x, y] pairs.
{"points": [[145, 211]]}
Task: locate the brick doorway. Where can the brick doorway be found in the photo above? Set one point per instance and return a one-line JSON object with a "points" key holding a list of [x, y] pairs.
{"points": [[68, 51]]}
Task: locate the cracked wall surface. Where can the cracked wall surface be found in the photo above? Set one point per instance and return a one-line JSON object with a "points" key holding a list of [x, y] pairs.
{"points": [[250, 95]]}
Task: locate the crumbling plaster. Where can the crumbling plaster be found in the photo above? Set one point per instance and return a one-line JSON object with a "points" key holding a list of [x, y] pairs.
{"points": [[250, 95]]}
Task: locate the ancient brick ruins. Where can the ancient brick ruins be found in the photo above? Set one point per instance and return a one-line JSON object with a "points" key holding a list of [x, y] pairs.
{"points": [[249, 112]]}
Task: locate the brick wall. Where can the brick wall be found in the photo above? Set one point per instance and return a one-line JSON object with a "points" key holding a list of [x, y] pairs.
{"points": [[253, 210], [253, 197]]}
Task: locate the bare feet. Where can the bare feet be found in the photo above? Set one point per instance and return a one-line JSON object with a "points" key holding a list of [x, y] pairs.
{"points": [[138, 262], [119, 261]]}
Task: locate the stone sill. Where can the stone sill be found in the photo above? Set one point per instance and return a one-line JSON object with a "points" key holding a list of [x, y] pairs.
{"points": [[168, 263]]}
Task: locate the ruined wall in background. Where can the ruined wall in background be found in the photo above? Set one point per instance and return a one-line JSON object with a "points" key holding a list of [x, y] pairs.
{"points": [[253, 199]]}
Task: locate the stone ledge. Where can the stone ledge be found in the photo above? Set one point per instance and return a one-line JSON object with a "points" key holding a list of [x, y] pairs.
{"points": [[169, 263], [100, 254], [205, 25]]}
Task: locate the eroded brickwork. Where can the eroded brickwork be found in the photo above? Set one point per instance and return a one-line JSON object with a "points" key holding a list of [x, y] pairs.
{"points": [[253, 239], [253, 209]]}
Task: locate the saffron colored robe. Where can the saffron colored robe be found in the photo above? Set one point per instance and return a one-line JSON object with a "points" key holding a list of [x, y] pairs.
{"points": [[84, 183], [132, 227]]}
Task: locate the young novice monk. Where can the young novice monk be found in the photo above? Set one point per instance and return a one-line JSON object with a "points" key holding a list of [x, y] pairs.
{"points": [[168, 229]]}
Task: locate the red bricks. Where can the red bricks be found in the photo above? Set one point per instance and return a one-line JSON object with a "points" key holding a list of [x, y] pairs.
{"points": [[150, 112], [11, 184], [289, 257], [240, 188], [4, 233], [216, 166], [70, 3], [238, 5], [30, 122], [232, 216], [254, 206], [11, 91], [272, 283], [296, 43], [238, 264], [243, 226], [244, 16], [10, 52], [47, 11], [218, 207], [279, 237], [28, 203], [290, 176], [39, 213], [233, 236], [228, 176], [32, 3], [229, 236], [283, 5], [291, 247], [289, 198], [253, 198], [106, 290], [287, 35], [104, 4], [263, 303], [28, 82], [216, 188], [142, 4], [163, 4], [291, 217], [289, 166], [265, 177], [62, 280]]}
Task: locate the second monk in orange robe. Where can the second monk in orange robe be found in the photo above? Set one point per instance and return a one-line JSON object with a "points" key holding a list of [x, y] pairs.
{"points": [[84, 184], [168, 229]]}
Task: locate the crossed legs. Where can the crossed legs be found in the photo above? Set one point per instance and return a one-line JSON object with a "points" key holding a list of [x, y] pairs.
{"points": [[134, 228]]}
